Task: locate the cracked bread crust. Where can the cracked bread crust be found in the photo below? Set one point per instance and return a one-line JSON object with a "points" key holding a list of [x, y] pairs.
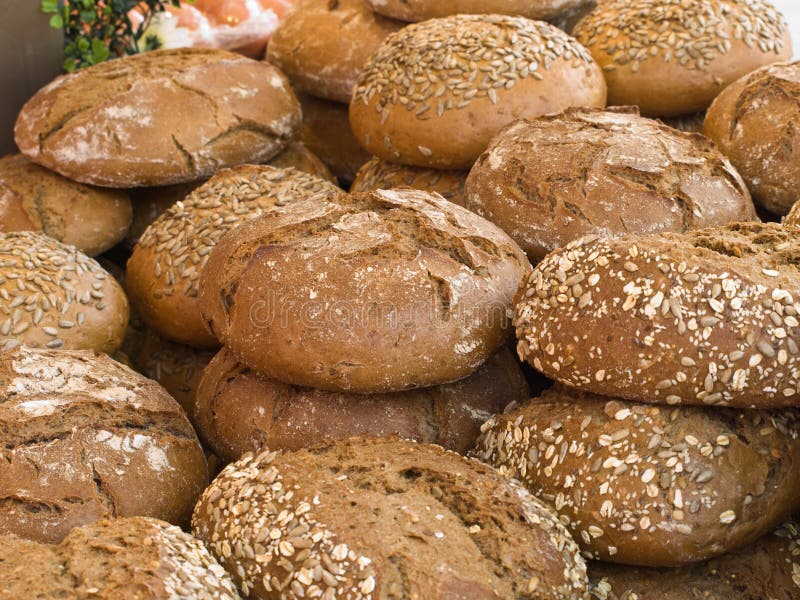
{"points": [[552, 180], [372, 292], [707, 317], [84, 437], [374, 519], [421, 10], [159, 118], [379, 174]]}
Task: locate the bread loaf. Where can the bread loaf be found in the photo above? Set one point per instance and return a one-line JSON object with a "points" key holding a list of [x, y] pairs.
{"points": [[420, 10], [378, 174]]}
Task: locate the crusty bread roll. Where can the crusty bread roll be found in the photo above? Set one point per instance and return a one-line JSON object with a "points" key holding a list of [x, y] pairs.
{"points": [[554, 179], [754, 123], [707, 317], [378, 174], [85, 438], [136, 557], [384, 518], [52, 295], [651, 485], [297, 156], [672, 57], [159, 118], [35, 199], [367, 293], [436, 92], [420, 10]]}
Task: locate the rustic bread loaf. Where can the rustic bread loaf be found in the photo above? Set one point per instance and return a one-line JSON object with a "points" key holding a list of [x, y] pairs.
{"points": [[52, 295], [237, 411], [672, 57], [436, 92], [133, 558], [296, 155], [707, 317], [766, 570], [322, 45], [35, 199], [374, 292], [421, 10], [754, 123], [384, 518], [651, 485], [85, 437], [164, 270], [552, 180], [159, 118], [378, 174], [689, 123]]}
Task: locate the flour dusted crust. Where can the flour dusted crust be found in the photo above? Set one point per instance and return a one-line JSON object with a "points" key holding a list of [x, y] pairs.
{"points": [[421, 10], [159, 118]]}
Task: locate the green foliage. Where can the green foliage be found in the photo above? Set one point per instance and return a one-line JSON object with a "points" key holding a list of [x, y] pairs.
{"points": [[96, 30]]}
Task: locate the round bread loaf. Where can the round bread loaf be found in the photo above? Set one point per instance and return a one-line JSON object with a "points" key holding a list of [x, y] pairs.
{"points": [[421, 10], [555, 179], [35, 199], [85, 437], [436, 92], [159, 118], [374, 292], [298, 156], [765, 570], [754, 123], [322, 45], [651, 485], [52, 295], [672, 57], [384, 518], [134, 558], [707, 317], [164, 270], [326, 132], [237, 411], [378, 174]]}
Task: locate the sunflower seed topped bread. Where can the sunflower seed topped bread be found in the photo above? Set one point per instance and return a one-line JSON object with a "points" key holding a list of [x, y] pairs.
{"points": [[322, 45], [436, 92], [35, 199], [138, 558], [372, 292], [85, 438], [164, 270], [766, 570], [651, 485], [378, 174], [554, 179], [372, 518], [672, 57], [159, 118], [707, 317], [52, 295], [421, 10], [237, 411], [754, 123]]}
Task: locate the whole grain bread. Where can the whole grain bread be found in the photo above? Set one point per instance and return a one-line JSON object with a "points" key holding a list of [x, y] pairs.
{"points": [[378, 174], [369, 293], [420, 10], [651, 485], [159, 118], [707, 317], [84, 438], [134, 558], [237, 411], [378, 518], [552, 180]]}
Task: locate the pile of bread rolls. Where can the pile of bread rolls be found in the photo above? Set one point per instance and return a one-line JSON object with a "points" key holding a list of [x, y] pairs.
{"points": [[545, 345]]}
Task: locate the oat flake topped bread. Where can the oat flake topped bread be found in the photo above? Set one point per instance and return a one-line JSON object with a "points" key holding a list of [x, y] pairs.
{"points": [[672, 57], [436, 92], [651, 485], [159, 118], [380, 519], [421, 10], [164, 270], [372, 292], [707, 317]]}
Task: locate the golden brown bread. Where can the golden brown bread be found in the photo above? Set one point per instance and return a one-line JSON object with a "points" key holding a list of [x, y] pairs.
{"points": [[379, 174], [421, 10]]}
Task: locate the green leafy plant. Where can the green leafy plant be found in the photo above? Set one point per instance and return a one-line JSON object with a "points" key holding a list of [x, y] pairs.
{"points": [[96, 30]]}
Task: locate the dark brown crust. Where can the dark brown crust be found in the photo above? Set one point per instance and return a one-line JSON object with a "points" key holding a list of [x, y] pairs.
{"points": [[651, 485], [378, 174], [420, 10], [552, 180], [385, 518], [707, 317]]}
